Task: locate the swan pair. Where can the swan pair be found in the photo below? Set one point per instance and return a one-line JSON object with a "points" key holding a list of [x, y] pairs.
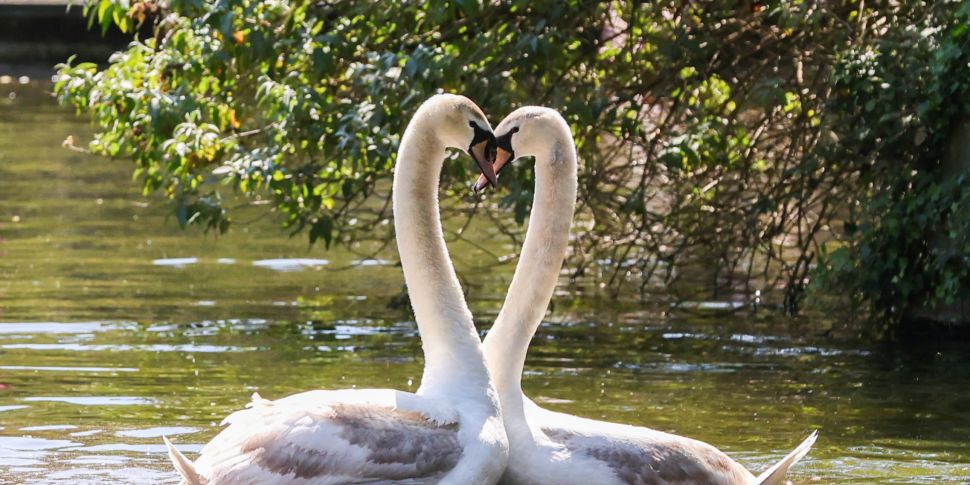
{"points": [[469, 422]]}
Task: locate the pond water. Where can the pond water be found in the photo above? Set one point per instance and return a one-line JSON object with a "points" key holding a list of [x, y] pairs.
{"points": [[117, 327]]}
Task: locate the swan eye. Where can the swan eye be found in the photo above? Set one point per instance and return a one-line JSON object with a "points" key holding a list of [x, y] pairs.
{"points": [[480, 134]]}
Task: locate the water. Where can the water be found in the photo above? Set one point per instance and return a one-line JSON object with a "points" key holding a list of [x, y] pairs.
{"points": [[117, 327]]}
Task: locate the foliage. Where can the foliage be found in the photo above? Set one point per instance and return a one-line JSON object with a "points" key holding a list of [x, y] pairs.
{"points": [[900, 104], [719, 139]]}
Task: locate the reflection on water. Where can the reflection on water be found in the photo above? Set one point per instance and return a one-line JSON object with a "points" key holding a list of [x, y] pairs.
{"points": [[117, 328], [290, 264], [176, 262], [95, 400], [55, 327]]}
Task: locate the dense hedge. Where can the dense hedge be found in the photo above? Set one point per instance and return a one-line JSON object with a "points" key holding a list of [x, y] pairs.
{"points": [[734, 141], [899, 109]]}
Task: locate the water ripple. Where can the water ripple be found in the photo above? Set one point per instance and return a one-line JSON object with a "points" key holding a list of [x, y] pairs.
{"points": [[49, 427], [27, 443], [175, 262], [95, 400], [156, 432], [67, 369], [63, 327], [372, 262], [188, 348], [290, 264]]}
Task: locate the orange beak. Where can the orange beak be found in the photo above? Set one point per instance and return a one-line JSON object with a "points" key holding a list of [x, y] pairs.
{"points": [[479, 153], [502, 157]]}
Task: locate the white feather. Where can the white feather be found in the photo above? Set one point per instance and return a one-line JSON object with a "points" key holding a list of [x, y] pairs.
{"points": [[450, 432], [555, 448]]}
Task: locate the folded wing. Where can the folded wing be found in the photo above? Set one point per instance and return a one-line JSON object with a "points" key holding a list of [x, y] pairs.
{"points": [[324, 437]]}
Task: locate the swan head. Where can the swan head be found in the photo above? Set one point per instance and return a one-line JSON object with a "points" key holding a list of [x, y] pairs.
{"points": [[460, 123], [526, 132]]}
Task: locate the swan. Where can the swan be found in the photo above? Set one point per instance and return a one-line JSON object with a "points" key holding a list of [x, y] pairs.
{"points": [[554, 448], [450, 431]]}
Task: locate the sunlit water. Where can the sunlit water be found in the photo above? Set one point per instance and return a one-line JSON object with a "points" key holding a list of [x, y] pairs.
{"points": [[117, 327]]}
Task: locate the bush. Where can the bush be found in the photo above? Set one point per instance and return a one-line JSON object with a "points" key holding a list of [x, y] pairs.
{"points": [[721, 140], [899, 103]]}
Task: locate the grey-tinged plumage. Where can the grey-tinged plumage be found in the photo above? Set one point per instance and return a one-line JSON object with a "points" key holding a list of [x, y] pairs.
{"points": [[324, 437]]}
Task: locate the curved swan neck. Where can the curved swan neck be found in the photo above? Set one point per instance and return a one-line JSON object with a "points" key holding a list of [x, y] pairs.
{"points": [[452, 349], [536, 274]]}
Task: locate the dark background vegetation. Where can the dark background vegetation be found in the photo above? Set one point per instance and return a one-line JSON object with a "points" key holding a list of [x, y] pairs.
{"points": [[766, 148]]}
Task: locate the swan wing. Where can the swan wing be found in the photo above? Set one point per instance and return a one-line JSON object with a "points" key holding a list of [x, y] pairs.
{"points": [[638, 455], [327, 437], [648, 461]]}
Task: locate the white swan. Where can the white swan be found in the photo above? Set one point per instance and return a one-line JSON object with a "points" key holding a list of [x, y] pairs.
{"points": [[450, 431], [554, 448]]}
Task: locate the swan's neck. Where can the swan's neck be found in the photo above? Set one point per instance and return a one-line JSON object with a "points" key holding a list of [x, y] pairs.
{"points": [[452, 349], [535, 276]]}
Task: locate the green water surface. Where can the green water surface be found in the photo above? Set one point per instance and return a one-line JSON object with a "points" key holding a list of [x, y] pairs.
{"points": [[117, 327]]}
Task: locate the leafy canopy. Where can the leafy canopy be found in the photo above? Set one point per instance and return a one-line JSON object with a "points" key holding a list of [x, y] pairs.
{"points": [[746, 145]]}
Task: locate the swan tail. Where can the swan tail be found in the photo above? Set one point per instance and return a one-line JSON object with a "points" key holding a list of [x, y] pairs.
{"points": [[776, 474], [183, 465]]}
